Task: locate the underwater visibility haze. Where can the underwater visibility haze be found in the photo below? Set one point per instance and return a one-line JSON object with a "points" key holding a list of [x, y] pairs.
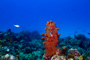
{"points": [[70, 16], [22, 23]]}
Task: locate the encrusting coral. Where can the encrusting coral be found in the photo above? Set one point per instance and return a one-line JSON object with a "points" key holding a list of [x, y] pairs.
{"points": [[51, 39]]}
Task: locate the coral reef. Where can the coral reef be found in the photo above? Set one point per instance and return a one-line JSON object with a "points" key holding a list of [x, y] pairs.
{"points": [[21, 45], [27, 45], [71, 48]]}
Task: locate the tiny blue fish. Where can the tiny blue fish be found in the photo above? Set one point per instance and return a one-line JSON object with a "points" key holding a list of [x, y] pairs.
{"points": [[88, 33]]}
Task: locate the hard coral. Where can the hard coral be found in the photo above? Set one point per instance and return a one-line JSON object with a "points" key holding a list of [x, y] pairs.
{"points": [[51, 39]]}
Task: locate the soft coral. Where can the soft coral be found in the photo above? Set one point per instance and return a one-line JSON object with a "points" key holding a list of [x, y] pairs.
{"points": [[51, 39]]}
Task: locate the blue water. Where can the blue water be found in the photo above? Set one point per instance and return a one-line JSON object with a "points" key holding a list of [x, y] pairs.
{"points": [[71, 16]]}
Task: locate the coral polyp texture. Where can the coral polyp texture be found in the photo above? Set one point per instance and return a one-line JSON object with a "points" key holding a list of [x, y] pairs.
{"points": [[51, 39]]}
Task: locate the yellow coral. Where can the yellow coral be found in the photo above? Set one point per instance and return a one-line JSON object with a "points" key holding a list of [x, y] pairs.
{"points": [[70, 56], [82, 57]]}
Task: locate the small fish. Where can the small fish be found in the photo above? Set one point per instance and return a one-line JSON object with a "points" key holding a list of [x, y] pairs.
{"points": [[16, 25], [88, 33], [51, 34]]}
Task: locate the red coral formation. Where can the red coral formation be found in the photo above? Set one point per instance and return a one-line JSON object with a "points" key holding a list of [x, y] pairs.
{"points": [[51, 39]]}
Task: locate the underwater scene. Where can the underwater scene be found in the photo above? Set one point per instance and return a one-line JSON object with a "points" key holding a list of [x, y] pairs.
{"points": [[44, 30]]}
